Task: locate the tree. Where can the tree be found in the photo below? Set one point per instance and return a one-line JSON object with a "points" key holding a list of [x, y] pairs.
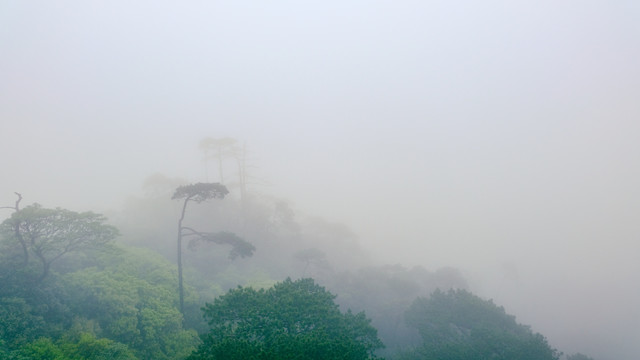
{"points": [[386, 292], [50, 234], [198, 193], [16, 228], [458, 325], [291, 320], [218, 149], [225, 148], [311, 256]]}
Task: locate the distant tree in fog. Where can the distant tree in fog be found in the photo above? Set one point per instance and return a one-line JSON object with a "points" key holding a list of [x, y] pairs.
{"points": [[222, 149], [311, 256], [459, 325], [218, 149]]}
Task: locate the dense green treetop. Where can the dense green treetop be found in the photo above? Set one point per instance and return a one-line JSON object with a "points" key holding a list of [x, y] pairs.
{"points": [[291, 320]]}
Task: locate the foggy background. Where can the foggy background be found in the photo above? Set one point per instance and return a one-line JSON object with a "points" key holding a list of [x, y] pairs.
{"points": [[500, 138]]}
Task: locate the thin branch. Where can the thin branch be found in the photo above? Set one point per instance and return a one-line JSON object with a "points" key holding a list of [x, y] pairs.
{"points": [[16, 207]]}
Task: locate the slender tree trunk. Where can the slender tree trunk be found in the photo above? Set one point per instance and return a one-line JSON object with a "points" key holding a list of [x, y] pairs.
{"points": [[242, 174], [180, 286], [241, 157], [220, 165], [45, 271], [206, 164], [25, 250], [18, 234], [46, 265]]}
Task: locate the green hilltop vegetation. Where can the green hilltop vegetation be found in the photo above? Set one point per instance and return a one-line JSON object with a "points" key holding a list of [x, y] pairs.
{"points": [[255, 280]]}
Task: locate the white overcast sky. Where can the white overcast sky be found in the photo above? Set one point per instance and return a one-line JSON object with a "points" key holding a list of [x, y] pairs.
{"points": [[500, 137]]}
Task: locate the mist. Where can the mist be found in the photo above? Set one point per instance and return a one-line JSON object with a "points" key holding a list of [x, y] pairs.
{"points": [[498, 138]]}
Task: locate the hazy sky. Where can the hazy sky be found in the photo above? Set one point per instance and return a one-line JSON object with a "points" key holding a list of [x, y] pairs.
{"points": [[500, 137]]}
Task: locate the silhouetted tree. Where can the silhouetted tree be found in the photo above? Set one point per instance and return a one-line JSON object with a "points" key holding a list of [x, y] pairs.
{"points": [[198, 193]]}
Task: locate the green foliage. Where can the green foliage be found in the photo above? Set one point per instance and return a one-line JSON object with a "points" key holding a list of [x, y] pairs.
{"points": [[87, 347], [18, 323], [457, 325], [133, 300], [124, 307], [291, 320], [122, 304], [84, 346], [41, 349]]}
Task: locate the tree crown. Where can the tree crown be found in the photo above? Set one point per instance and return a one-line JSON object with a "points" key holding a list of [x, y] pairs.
{"points": [[293, 319], [200, 192]]}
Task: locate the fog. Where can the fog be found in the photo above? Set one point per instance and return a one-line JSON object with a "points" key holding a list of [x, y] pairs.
{"points": [[500, 138]]}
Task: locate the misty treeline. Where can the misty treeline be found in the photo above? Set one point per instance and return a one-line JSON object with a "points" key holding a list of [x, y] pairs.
{"points": [[202, 271]]}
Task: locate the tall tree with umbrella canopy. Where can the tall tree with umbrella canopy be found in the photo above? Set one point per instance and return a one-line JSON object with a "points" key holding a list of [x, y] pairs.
{"points": [[198, 193]]}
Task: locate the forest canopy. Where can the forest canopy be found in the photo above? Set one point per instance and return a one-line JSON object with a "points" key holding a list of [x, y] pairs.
{"points": [[68, 290]]}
